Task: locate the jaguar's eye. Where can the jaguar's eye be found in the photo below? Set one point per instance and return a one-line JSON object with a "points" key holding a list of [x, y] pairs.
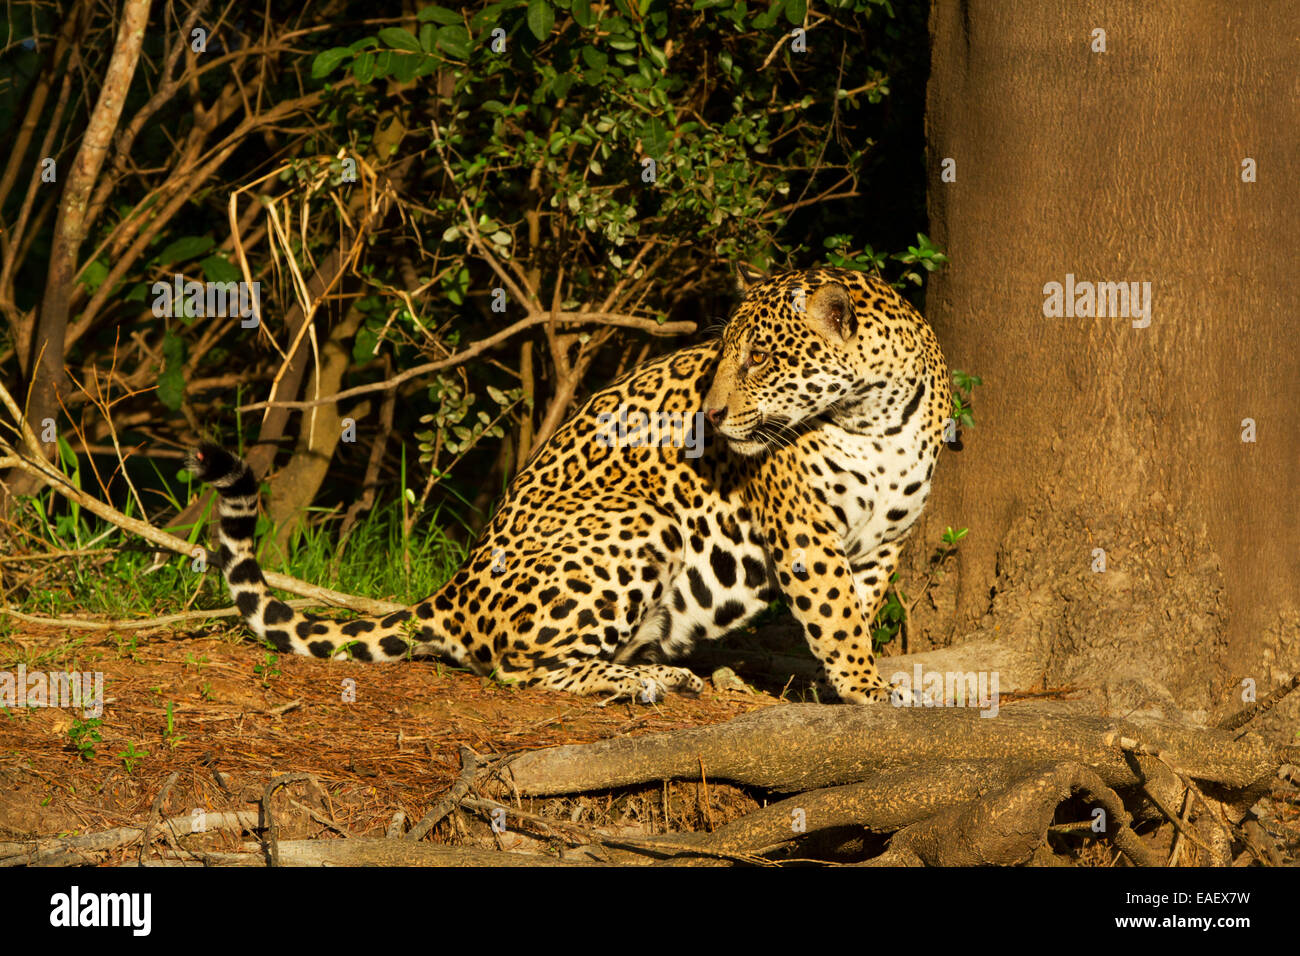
{"points": [[756, 358]]}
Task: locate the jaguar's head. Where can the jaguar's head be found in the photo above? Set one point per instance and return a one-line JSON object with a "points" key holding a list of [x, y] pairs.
{"points": [[789, 356]]}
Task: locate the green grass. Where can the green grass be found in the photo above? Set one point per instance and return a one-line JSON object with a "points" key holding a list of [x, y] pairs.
{"points": [[123, 585], [372, 564]]}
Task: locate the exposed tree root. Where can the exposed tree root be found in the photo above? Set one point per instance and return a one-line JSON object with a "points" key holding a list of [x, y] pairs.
{"points": [[1007, 826], [952, 787], [882, 803], [804, 746]]}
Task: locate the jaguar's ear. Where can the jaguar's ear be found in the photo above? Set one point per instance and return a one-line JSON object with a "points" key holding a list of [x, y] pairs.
{"points": [[747, 275], [830, 312]]}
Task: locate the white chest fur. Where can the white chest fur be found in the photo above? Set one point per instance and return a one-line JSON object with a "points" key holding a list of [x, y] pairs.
{"points": [[874, 484]]}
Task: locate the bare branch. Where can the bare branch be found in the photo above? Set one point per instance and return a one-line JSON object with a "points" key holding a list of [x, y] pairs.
{"points": [[536, 318]]}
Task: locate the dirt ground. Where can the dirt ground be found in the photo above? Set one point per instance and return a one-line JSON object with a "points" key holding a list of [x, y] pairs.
{"points": [[379, 739], [378, 745]]}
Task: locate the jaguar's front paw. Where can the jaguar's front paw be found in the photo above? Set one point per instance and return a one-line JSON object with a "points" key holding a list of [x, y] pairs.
{"points": [[878, 694]]}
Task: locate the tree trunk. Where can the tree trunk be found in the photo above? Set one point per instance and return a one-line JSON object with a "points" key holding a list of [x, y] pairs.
{"points": [[47, 344], [1128, 165], [318, 437]]}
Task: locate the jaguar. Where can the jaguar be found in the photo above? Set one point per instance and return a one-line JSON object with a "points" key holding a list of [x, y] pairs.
{"points": [[797, 455]]}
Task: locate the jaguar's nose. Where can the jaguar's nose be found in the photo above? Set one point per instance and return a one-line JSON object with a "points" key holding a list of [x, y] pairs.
{"points": [[716, 415]]}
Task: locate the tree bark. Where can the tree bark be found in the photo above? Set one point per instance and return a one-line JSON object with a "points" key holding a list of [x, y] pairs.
{"points": [[47, 346], [1121, 166], [318, 437]]}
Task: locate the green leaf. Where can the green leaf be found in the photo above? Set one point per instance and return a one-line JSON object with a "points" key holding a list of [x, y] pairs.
{"points": [[171, 382], [217, 269], [654, 138], [327, 60], [795, 11], [541, 17], [187, 247], [487, 17], [404, 66], [93, 276], [363, 345], [400, 39], [363, 67], [454, 41], [438, 15], [582, 13]]}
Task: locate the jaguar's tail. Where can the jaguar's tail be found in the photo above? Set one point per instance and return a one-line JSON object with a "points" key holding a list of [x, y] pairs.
{"points": [[284, 628]]}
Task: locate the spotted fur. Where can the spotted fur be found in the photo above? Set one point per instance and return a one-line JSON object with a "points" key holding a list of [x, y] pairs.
{"points": [[826, 397]]}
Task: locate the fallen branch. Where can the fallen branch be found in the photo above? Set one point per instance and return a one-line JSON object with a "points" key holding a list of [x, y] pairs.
{"points": [[155, 811], [266, 821], [469, 767], [141, 624], [377, 851], [56, 555], [582, 837], [74, 850]]}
